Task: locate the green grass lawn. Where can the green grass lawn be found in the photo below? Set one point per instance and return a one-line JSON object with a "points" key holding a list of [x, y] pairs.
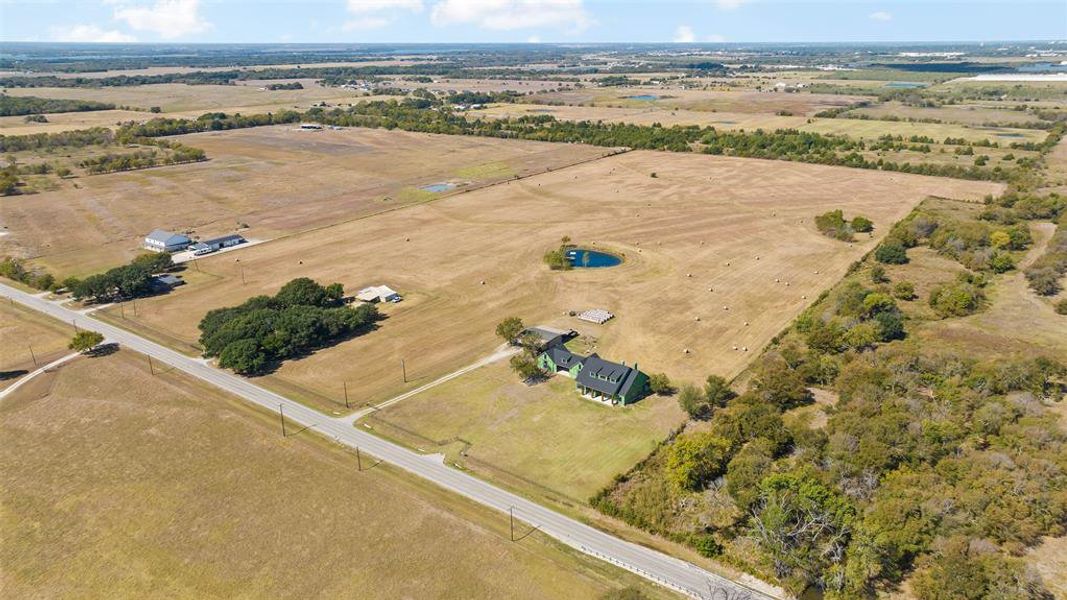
{"points": [[536, 437]]}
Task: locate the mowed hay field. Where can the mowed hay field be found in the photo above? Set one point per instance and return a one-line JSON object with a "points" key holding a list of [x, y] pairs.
{"points": [[118, 484], [742, 101], [751, 121], [466, 262], [174, 97], [25, 334], [278, 180], [542, 438]]}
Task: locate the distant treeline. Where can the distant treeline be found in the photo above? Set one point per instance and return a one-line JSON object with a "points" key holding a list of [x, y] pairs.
{"points": [[29, 105], [328, 75], [295, 85], [159, 153], [411, 115]]}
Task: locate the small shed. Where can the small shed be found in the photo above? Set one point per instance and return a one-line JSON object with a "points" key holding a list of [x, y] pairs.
{"points": [[378, 293], [166, 281]]}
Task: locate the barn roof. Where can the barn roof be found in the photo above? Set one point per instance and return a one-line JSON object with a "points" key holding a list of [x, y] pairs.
{"points": [[607, 377], [167, 238]]}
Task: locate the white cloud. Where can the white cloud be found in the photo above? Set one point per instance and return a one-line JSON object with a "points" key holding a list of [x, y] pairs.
{"points": [[90, 33], [375, 14], [512, 14], [730, 4], [881, 16], [372, 6], [684, 35], [167, 18], [365, 23]]}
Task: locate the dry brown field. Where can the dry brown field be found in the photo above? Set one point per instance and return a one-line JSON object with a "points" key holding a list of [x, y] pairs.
{"points": [[177, 69], [799, 104], [1017, 322], [116, 483], [278, 180], [963, 114], [26, 335], [720, 253], [177, 97], [480, 85], [856, 128], [72, 120]]}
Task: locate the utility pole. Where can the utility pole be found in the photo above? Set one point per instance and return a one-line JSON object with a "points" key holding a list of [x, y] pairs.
{"points": [[281, 413], [404, 369], [345, 383], [511, 514], [151, 368], [75, 323], [122, 309], [359, 460], [242, 274], [33, 356]]}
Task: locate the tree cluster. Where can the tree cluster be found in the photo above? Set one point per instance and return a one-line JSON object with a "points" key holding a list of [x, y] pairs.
{"points": [[256, 336], [32, 105], [833, 224], [133, 280]]}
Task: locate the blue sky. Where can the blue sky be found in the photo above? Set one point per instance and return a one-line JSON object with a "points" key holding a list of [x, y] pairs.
{"points": [[530, 20]]}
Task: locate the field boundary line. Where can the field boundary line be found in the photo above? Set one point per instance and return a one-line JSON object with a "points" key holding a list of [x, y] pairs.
{"points": [[29, 376]]}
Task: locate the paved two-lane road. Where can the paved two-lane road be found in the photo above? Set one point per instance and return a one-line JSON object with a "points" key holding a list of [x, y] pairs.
{"points": [[651, 564]]}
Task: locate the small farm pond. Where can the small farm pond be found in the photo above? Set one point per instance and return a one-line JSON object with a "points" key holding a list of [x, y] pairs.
{"points": [[907, 85], [644, 97], [584, 258], [438, 187]]}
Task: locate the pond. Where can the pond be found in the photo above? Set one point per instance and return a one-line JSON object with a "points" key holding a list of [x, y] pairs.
{"points": [[584, 258], [438, 187], [644, 97], [908, 85]]}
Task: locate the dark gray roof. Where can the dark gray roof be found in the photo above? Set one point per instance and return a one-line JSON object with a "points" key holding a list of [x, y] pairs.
{"points": [[563, 357], [606, 377], [169, 280], [223, 239]]}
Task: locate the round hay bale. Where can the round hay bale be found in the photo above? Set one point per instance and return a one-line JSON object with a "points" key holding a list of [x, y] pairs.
{"points": [[688, 274], [696, 318], [483, 282], [725, 307], [685, 351]]}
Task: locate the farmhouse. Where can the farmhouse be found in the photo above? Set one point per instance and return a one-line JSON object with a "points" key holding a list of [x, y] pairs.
{"points": [[165, 241], [216, 244], [596, 378], [378, 293]]}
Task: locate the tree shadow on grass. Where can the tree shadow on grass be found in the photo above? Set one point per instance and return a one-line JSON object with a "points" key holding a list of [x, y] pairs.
{"points": [[5, 375], [103, 350]]}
